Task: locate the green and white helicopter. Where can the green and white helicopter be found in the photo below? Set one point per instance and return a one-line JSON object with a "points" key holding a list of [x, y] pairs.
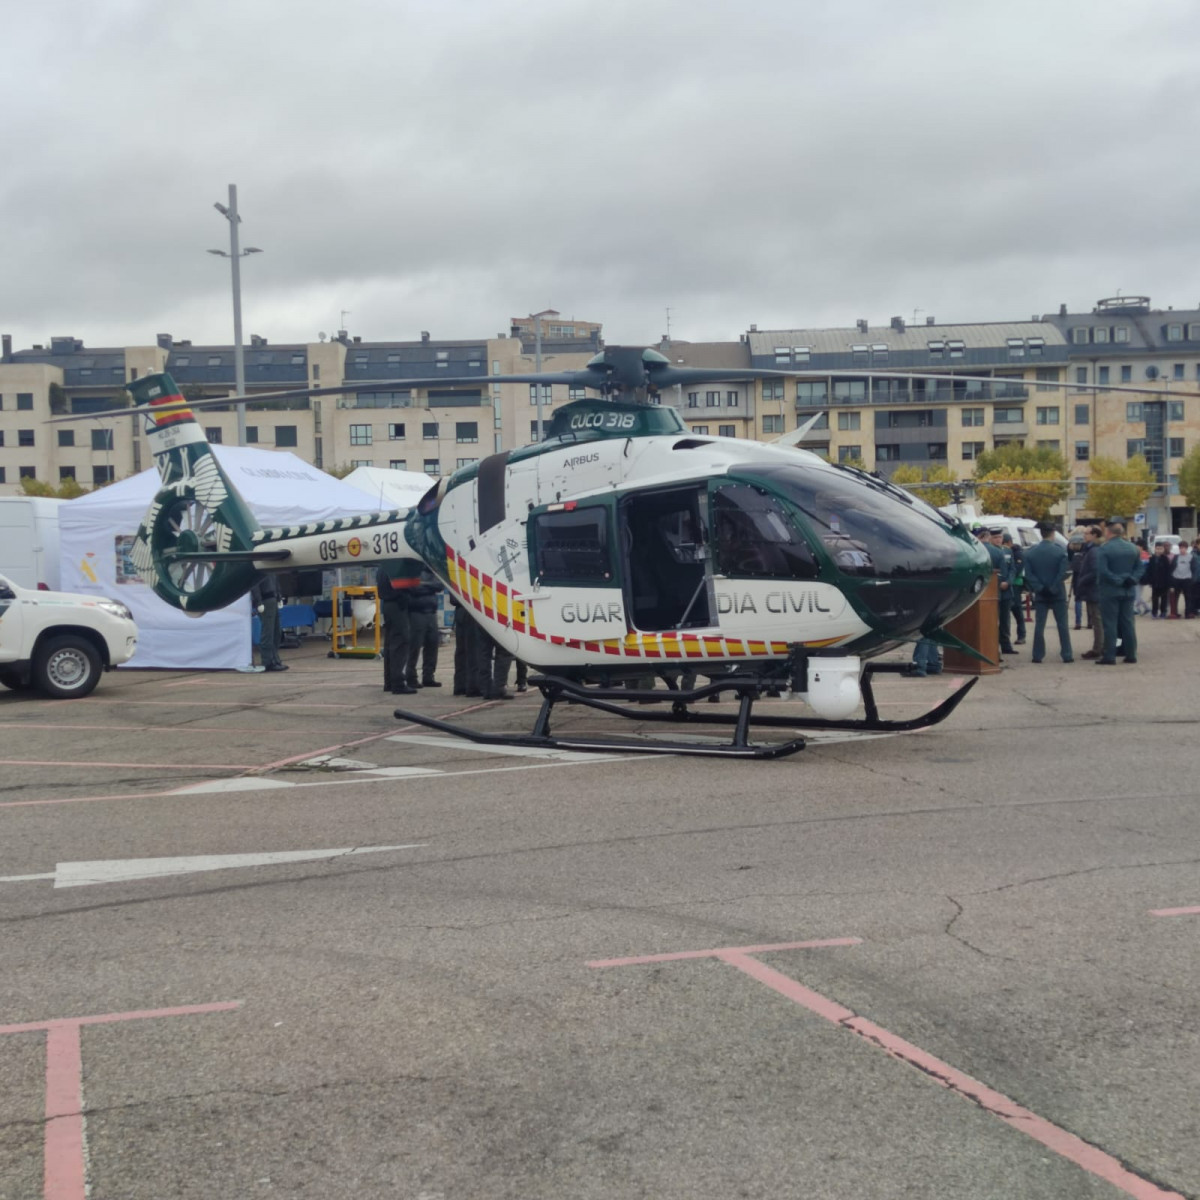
{"points": [[619, 548]]}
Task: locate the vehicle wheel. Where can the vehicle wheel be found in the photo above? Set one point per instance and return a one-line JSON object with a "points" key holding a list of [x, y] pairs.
{"points": [[13, 680], [66, 667]]}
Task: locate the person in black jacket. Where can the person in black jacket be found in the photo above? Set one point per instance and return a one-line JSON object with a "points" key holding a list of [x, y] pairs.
{"points": [[264, 595], [1085, 588], [1158, 575], [423, 630]]}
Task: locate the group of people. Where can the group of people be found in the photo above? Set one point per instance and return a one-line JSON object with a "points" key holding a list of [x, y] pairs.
{"points": [[1173, 573], [1105, 576]]}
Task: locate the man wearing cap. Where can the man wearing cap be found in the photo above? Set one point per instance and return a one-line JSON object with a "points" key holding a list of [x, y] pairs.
{"points": [[1085, 587], [1118, 569], [1045, 576], [1007, 576], [998, 569]]}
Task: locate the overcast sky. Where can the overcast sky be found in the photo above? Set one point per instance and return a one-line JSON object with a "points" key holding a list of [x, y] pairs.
{"points": [[448, 165]]}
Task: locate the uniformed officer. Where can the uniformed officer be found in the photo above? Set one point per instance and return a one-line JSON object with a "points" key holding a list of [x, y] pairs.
{"points": [[1118, 570], [1004, 582], [394, 585], [1016, 595], [1045, 576], [423, 630]]}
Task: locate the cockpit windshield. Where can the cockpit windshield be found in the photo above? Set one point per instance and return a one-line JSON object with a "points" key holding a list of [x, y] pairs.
{"points": [[865, 530]]}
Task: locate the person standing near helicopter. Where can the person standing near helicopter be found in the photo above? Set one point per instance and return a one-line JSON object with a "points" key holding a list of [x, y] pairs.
{"points": [[394, 591]]}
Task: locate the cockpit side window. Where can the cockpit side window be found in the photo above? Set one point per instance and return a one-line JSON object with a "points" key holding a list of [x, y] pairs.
{"points": [[572, 547], [753, 537]]}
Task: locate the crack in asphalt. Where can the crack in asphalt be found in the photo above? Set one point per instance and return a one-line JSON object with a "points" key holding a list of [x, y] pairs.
{"points": [[1170, 862], [949, 932]]}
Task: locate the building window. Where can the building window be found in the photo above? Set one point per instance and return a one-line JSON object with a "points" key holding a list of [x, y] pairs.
{"points": [[285, 435], [850, 391], [25, 437], [1102, 374], [466, 462], [936, 349], [1083, 414], [533, 431], [1016, 347], [1126, 374], [26, 472], [1008, 416], [772, 391], [1178, 370], [1174, 410], [849, 420], [100, 475], [398, 464], [783, 356], [66, 472], [251, 435], [1175, 447], [888, 452], [1134, 446], [972, 416], [533, 393], [955, 349], [1079, 335], [1047, 414], [66, 437], [1081, 374], [849, 454], [429, 431], [937, 451], [859, 355], [431, 466], [576, 393], [360, 435], [800, 354], [820, 422], [701, 429], [1036, 345], [3, 475], [24, 402], [712, 399], [1047, 379], [1121, 333], [102, 439], [727, 431], [1174, 333], [1100, 335], [1083, 451], [731, 399], [1050, 444], [772, 424], [808, 392], [213, 434], [972, 450], [396, 431], [693, 400], [466, 431], [362, 462], [1133, 411]]}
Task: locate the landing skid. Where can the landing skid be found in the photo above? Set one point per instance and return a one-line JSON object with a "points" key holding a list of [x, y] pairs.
{"points": [[748, 688]]}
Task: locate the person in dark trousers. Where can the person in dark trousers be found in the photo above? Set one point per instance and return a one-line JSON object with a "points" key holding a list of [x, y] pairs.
{"points": [[465, 632], [1086, 588], [264, 595], [1118, 571], [394, 588], [1046, 575], [1181, 582], [1196, 577], [492, 663], [1158, 575], [423, 630], [1017, 592]]}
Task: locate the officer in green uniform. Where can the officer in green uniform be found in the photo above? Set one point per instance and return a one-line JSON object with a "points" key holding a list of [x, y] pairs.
{"points": [[394, 579], [1118, 570], [1046, 574]]}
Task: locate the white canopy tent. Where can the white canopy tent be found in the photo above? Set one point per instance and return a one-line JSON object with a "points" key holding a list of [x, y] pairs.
{"points": [[390, 488], [97, 531]]}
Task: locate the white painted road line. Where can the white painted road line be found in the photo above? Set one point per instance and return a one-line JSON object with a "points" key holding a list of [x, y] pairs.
{"points": [[450, 743], [123, 870]]}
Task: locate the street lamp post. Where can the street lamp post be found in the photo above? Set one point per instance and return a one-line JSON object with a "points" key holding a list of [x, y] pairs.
{"points": [[235, 255]]}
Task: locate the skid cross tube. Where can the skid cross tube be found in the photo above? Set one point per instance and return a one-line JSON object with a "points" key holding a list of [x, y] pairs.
{"points": [[622, 701]]}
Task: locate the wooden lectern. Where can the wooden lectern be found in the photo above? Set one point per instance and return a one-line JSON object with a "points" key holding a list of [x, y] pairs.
{"points": [[979, 627]]}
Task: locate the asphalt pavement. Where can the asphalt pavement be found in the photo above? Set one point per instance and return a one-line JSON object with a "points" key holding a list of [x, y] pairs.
{"points": [[260, 938]]}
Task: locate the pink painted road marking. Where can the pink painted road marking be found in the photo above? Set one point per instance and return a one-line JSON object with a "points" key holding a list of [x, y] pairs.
{"points": [[64, 1166], [1068, 1145], [1176, 912], [175, 766]]}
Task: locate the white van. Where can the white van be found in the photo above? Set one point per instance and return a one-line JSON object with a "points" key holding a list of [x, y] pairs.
{"points": [[29, 541]]}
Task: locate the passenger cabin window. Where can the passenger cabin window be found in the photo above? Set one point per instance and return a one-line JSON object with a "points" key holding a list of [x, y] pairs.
{"points": [[754, 538], [572, 547]]}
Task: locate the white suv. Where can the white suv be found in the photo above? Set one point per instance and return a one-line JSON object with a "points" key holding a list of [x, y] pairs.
{"points": [[59, 642]]}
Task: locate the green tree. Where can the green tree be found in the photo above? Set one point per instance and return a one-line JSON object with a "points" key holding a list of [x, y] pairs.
{"points": [[1038, 477], [1189, 477], [921, 482], [68, 489], [1119, 488]]}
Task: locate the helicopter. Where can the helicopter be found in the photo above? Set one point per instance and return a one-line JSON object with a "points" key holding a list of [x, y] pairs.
{"points": [[620, 548]]}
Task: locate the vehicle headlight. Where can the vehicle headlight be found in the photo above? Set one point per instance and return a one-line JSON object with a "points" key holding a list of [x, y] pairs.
{"points": [[115, 608]]}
